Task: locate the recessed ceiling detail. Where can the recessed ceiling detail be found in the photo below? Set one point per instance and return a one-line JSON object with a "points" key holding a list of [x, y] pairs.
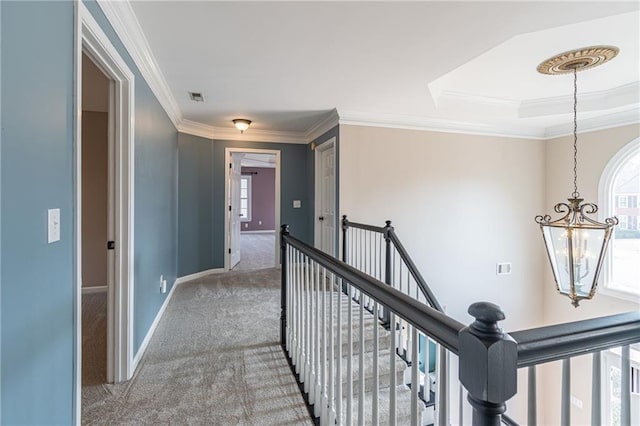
{"points": [[578, 60], [300, 78]]}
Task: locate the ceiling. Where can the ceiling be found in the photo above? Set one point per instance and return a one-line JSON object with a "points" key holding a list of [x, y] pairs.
{"points": [[291, 67]]}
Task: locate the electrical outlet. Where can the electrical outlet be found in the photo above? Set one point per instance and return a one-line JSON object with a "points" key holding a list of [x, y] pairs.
{"points": [[503, 268]]}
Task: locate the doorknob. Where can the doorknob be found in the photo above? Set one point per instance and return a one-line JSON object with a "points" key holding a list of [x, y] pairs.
{"points": [[321, 218]]}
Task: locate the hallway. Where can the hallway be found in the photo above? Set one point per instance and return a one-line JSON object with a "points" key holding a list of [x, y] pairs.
{"points": [[214, 359]]}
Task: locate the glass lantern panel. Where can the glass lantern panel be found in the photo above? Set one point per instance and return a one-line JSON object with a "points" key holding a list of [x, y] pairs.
{"points": [[556, 240], [587, 244]]}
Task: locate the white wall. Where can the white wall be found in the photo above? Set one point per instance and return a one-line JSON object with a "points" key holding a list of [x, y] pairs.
{"points": [[595, 149], [459, 203]]}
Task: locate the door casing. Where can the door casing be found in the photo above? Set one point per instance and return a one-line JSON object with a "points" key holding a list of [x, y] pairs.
{"points": [[227, 225]]}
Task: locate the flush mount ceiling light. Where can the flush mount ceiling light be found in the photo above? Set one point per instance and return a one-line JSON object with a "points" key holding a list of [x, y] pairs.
{"points": [[575, 243], [241, 124]]}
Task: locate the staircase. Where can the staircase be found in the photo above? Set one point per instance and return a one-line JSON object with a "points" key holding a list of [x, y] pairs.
{"points": [[384, 370]]}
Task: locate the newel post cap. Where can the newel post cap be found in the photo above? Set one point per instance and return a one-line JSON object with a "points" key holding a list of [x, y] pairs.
{"points": [[488, 356]]}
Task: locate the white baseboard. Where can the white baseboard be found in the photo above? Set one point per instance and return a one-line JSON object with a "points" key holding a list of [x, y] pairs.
{"points": [[198, 275], [152, 329], [156, 321], [258, 232], [94, 289]]}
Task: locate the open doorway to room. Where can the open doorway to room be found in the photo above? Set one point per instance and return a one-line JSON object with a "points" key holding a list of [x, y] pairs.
{"points": [[253, 194], [103, 215], [96, 223]]}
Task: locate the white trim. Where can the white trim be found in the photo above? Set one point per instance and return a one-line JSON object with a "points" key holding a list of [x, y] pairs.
{"points": [[227, 159], [329, 144], [322, 126], [232, 134], [152, 329], [94, 289], [91, 39], [198, 275], [616, 97], [265, 231], [392, 121], [603, 122], [126, 25], [607, 207]]}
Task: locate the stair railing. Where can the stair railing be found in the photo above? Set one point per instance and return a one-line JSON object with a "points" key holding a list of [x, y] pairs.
{"points": [[378, 251], [326, 335]]}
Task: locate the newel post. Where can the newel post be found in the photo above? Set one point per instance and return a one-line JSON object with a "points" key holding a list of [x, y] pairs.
{"points": [[488, 364], [387, 268], [284, 231]]}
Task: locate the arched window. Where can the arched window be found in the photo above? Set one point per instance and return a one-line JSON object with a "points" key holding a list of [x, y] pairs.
{"points": [[620, 197]]}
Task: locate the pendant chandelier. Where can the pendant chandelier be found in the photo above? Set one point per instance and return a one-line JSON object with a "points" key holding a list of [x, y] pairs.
{"points": [[575, 243]]}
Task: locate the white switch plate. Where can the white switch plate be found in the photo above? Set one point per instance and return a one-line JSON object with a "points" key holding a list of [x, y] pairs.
{"points": [[297, 204], [163, 284], [503, 268], [53, 225]]}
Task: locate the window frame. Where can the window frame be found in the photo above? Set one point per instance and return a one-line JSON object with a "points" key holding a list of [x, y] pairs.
{"points": [[607, 201], [249, 180]]}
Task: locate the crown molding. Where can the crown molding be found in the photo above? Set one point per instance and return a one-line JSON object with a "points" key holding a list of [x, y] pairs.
{"points": [[127, 27], [439, 125], [621, 96], [618, 119], [322, 126], [231, 134]]}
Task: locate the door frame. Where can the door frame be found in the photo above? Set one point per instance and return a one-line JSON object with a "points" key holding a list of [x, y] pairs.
{"points": [[227, 183], [91, 40], [317, 233]]}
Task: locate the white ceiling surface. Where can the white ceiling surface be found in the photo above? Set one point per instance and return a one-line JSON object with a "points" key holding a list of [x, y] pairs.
{"points": [[455, 65]]}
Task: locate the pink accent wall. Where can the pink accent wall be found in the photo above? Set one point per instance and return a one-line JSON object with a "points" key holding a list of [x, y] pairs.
{"points": [[263, 194]]}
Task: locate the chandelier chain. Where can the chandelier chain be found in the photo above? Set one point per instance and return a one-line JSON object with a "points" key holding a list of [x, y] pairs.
{"points": [[575, 194]]}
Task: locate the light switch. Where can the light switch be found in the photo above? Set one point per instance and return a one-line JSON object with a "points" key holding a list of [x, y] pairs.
{"points": [[53, 228], [297, 204]]}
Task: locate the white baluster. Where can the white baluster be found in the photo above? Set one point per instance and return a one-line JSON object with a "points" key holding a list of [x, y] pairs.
{"points": [[376, 379], [415, 383], [339, 355], [392, 370], [625, 386], [332, 330], [349, 419], [361, 366]]}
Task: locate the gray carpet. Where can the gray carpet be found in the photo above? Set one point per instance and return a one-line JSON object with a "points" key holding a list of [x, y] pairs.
{"points": [[215, 359], [257, 251]]}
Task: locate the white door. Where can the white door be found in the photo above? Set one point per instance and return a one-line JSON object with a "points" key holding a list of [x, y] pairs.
{"points": [[234, 208], [325, 197]]}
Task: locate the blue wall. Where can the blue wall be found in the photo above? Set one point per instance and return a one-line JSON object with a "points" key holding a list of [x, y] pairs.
{"points": [[202, 206], [156, 180], [195, 206], [37, 174], [37, 287]]}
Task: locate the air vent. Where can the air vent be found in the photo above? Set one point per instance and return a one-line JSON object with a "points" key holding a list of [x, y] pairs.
{"points": [[196, 96]]}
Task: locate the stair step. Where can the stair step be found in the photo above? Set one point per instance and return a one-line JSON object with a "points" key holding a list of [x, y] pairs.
{"points": [[384, 364], [403, 407]]}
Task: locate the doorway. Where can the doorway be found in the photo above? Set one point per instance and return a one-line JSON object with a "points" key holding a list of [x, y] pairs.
{"points": [[94, 49], [97, 226], [325, 197], [252, 192]]}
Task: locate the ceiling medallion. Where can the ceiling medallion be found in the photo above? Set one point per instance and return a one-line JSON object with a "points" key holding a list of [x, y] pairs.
{"points": [[579, 59]]}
